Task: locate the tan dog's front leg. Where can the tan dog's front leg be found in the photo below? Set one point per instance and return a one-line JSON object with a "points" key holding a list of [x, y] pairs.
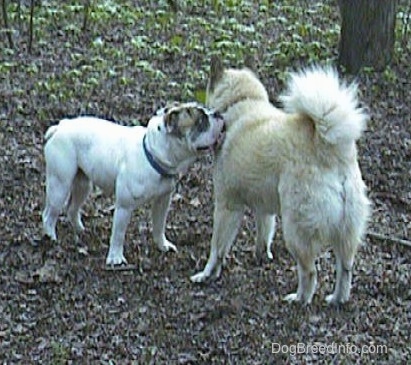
{"points": [[226, 224], [265, 235]]}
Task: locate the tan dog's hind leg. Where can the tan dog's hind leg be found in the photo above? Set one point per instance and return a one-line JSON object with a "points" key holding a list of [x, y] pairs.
{"points": [[303, 247], [344, 254], [307, 282], [265, 235], [226, 224]]}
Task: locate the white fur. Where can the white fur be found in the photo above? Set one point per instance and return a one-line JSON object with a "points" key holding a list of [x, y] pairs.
{"points": [[88, 150]]}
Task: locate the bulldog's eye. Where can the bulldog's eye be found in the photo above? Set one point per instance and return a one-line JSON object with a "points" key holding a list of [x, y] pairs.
{"points": [[217, 115], [161, 111], [159, 128], [204, 123]]}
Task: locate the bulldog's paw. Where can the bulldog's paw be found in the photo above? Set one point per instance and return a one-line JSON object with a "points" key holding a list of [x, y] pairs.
{"points": [[166, 246], [50, 233], [293, 297], [115, 260]]}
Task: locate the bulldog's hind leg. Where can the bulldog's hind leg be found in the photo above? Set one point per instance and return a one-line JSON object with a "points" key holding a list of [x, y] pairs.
{"points": [[57, 192], [159, 209], [265, 235], [226, 224], [80, 190]]}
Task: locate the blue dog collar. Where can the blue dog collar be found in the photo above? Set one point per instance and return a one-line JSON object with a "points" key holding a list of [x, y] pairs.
{"points": [[154, 163]]}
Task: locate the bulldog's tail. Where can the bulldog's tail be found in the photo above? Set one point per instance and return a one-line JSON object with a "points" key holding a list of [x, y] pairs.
{"points": [[50, 132], [332, 105]]}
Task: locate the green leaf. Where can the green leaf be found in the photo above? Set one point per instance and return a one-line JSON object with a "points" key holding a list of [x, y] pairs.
{"points": [[200, 95]]}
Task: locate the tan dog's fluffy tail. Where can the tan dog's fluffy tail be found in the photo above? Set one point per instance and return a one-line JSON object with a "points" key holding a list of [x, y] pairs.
{"points": [[333, 105]]}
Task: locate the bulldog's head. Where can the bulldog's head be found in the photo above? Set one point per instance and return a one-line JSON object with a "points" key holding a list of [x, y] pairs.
{"points": [[192, 123]]}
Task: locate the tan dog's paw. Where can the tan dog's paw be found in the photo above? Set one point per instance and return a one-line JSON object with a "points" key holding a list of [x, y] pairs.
{"points": [[200, 277], [295, 298], [333, 299], [211, 272]]}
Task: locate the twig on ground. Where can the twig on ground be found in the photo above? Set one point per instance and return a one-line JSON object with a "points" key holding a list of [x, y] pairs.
{"points": [[120, 267], [389, 238]]}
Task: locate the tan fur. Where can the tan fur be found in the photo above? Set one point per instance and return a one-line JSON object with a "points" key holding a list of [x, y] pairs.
{"points": [[279, 163]]}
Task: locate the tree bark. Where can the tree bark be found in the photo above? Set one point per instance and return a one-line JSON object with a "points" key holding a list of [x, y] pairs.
{"points": [[367, 33], [32, 3], [6, 23]]}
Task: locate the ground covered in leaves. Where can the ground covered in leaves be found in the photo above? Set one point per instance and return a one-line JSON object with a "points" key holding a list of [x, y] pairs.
{"points": [[58, 304]]}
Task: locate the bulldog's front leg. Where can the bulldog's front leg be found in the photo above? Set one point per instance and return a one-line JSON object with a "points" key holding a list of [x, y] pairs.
{"points": [[121, 219], [159, 209]]}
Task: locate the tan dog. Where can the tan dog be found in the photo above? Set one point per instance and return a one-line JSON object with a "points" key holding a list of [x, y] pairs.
{"points": [[300, 163], [137, 164]]}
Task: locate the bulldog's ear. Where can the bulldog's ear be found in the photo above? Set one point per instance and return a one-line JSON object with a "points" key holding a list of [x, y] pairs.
{"points": [[170, 105], [179, 120], [216, 71], [171, 121]]}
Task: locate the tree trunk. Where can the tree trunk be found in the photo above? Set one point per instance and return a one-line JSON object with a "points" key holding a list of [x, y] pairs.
{"points": [[367, 33], [6, 23]]}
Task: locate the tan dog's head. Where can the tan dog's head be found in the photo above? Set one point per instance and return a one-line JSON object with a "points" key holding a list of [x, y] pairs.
{"points": [[193, 124], [227, 87]]}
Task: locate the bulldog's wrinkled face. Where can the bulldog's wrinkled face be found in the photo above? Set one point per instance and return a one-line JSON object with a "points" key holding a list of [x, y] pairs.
{"points": [[199, 127]]}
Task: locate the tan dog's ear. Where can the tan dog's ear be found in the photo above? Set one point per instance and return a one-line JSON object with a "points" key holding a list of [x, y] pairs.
{"points": [[249, 62], [216, 71]]}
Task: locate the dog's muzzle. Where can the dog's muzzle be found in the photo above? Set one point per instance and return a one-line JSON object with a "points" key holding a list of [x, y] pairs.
{"points": [[220, 138]]}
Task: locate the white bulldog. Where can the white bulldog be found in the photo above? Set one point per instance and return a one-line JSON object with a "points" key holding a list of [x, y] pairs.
{"points": [[139, 164]]}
